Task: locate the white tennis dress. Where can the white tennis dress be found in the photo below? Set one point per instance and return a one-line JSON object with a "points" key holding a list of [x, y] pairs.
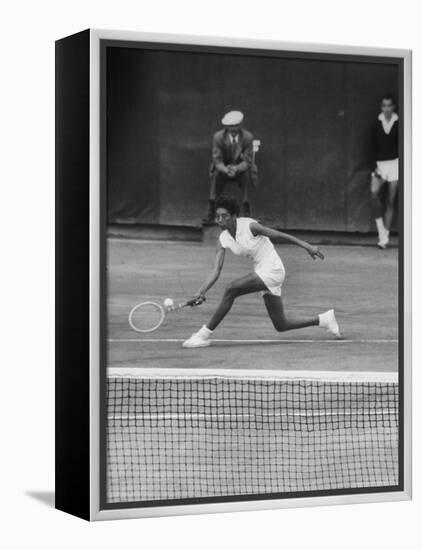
{"points": [[267, 263]]}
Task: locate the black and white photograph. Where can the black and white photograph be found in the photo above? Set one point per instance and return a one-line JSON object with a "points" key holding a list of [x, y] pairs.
{"points": [[252, 309], [210, 275]]}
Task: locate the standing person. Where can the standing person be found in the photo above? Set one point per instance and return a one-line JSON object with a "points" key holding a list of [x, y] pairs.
{"points": [[386, 145], [232, 153], [247, 237]]}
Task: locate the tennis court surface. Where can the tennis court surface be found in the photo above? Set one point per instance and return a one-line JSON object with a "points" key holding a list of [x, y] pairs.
{"points": [[220, 427]]}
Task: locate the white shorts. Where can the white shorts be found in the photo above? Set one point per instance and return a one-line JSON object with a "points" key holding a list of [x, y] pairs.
{"points": [[273, 278], [388, 170]]}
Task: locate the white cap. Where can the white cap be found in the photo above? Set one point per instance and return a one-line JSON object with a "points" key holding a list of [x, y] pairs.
{"points": [[233, 118]]}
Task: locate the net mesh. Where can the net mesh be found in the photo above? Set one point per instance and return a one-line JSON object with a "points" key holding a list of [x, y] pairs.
{"points": [[187, 438]]}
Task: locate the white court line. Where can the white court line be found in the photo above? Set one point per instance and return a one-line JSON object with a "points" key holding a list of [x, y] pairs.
{"points": [[258, 341]]}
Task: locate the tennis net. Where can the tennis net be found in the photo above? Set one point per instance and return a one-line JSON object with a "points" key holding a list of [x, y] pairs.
{"points": [[201, 434]]}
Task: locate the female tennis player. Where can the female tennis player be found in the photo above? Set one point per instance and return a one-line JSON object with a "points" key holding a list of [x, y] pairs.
{"points": [[247, 237]]}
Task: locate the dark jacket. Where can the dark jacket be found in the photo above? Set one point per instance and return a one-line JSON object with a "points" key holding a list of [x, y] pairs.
{"points": [[224, 153]]}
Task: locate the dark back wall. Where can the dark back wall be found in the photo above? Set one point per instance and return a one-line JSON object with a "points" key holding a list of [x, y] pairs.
{"points": [[313, 119]]}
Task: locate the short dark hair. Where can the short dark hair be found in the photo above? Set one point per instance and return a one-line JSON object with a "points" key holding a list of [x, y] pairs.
{"points": [[229, 203], [389, 97]]}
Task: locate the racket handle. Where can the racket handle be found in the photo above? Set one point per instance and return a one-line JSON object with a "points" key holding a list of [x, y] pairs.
{"points": [[197, 301]]}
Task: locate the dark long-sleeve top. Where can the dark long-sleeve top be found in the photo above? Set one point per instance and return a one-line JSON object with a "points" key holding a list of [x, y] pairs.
{"points": [[386, 146]]}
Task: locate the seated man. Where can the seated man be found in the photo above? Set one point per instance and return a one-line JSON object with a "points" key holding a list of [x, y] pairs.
{"points": [[232, 161]]}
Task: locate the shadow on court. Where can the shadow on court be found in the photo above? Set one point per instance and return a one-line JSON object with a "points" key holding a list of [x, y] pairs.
{"points": [[45, 497], [360, 283]]}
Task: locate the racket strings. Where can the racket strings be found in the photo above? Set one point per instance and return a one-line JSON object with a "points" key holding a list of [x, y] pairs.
{"points": [[146, 317]]}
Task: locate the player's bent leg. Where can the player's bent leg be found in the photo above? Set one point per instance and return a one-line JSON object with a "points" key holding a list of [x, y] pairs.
{"points": [[239, 287], [283, 323], [244, 285]]}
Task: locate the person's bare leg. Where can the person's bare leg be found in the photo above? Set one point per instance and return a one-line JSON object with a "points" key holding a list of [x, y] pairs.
{"points": [[391, 202], [245, 285], [274, 305], [376, 185]]}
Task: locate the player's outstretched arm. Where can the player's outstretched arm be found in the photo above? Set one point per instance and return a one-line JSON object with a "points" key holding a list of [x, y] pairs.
{"points": [[277, 236], [215, 273]]}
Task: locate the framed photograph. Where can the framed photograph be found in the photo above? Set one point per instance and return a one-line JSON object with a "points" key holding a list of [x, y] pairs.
{"points": [[233, 274]]}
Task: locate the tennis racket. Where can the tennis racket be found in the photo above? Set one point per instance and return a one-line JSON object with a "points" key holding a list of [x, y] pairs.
{"points": [[148, 316]]}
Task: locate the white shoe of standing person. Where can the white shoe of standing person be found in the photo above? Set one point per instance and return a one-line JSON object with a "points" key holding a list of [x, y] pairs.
{"points": [[328, 320], [384, 239], [199, 339]]}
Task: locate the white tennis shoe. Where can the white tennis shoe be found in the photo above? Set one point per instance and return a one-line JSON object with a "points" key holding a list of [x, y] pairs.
{"points": [[384, 238], [199, 339], [328, 320]]}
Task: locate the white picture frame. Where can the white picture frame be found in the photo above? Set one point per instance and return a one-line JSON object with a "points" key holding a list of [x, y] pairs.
{"points": [[88, 504]]}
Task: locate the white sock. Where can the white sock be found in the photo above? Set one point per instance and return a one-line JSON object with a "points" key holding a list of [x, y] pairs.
{"points": [[205, 332], [322, 321], [380, 226]]}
